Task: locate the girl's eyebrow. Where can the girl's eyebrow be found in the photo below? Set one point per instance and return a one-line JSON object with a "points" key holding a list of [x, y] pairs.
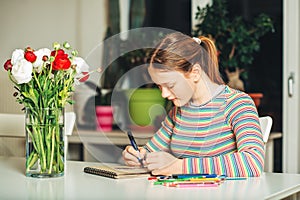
{"points": [[165, 83], [171, 82]]}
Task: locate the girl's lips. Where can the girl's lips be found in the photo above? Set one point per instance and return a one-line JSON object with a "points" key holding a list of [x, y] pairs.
{"points": [[173, 100]]}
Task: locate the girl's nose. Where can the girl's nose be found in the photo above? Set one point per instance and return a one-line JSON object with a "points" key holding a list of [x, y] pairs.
{"points": [[165, 92]]}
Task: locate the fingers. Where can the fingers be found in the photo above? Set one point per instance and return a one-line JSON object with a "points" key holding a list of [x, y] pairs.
{"points": [[130, 158], [143, 153], [130, 155], [142, 150]]}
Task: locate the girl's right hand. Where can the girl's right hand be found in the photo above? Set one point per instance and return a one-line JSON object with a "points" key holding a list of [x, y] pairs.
{"points": [[130, 156]]}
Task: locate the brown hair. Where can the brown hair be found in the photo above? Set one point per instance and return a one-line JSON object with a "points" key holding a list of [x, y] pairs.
{"points": [[180, 52]]}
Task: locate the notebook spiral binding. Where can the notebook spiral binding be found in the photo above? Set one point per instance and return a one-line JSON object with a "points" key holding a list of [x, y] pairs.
{"points": [[101, 172]]}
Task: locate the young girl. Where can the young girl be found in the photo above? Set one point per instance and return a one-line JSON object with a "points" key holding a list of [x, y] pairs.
{"points": [[212, 128]]}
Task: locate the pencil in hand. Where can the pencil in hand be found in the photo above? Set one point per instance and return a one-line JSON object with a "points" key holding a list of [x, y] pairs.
{"points": [[134, 145]]}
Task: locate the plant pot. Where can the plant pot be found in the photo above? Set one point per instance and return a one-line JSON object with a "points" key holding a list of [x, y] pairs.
{"points": [[256, 98], [145, 104], [44, 142], [104, 118]]}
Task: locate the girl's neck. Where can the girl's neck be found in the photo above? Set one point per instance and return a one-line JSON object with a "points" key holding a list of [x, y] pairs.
{"points": [[206, 90]]}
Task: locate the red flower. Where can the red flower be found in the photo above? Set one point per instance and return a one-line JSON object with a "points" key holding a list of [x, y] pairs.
{"points": [[58, 52], [61, 61], [8, 65], [30, 56], [84, 77]]}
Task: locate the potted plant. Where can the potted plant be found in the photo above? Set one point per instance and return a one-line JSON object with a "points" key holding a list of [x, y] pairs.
{"points": [[236, 39]]}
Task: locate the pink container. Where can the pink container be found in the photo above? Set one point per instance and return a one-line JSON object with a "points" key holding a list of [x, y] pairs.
{"points": [[104, 118]]}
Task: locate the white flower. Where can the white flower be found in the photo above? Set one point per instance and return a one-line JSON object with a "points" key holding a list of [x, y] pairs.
{"points": [[17, 55], [38, 64], [81, 65], [22, 70]]}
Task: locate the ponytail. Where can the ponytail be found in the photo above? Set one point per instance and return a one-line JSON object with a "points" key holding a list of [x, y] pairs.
{"points": [[213, 64]]}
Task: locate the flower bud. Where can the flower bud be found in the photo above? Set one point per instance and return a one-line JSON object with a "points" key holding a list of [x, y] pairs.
{"points": [[45, 58], [8, 65], [66, 45], [56, 45], [74, 53], [51, 58], [28, 49]]}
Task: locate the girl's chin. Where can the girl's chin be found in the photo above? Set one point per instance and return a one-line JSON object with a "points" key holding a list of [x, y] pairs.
{"points": [[178, 103]]}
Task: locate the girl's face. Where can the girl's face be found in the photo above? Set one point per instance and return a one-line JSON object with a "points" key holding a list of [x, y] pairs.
{"points": [[174, 85]]}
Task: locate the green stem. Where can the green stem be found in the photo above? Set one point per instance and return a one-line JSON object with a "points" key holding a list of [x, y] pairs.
{"points": [[57, 139], [32, 138], [28, 160], [52, 151], [32, 160], [48, 145], [39, 139], [37, 81]]}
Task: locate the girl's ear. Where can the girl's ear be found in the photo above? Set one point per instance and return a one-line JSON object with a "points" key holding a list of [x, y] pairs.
{"points": [[196, 73]]}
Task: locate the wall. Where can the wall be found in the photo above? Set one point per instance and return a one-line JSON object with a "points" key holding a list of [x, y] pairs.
{"points": [[39, 23]]}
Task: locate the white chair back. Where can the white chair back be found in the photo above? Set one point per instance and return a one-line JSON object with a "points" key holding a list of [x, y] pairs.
{"points": [[266, 123], [12, 135], [70, 118], [12, 125]]}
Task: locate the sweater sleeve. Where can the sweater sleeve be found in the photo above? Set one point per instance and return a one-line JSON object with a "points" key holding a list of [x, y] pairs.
{"points": [[248, 159], [161, 139]]}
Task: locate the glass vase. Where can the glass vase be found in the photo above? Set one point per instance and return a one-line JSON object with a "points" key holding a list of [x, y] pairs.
{"points": [[44, 142]]}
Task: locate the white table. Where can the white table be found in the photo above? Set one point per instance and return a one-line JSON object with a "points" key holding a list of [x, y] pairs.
{"points": [[76, 184]]}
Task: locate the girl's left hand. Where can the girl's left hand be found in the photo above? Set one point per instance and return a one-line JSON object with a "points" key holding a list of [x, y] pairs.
{"points": [[163, 163]]}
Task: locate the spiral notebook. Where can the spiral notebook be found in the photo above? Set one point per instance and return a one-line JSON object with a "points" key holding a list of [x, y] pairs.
{"points": [[117, 171]]}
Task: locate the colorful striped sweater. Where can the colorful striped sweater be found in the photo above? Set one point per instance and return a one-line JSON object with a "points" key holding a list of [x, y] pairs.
{"points": [[222, 136]]}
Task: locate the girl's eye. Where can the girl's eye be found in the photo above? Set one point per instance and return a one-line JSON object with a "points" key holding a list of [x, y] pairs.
{"points": [[171, 85]]}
